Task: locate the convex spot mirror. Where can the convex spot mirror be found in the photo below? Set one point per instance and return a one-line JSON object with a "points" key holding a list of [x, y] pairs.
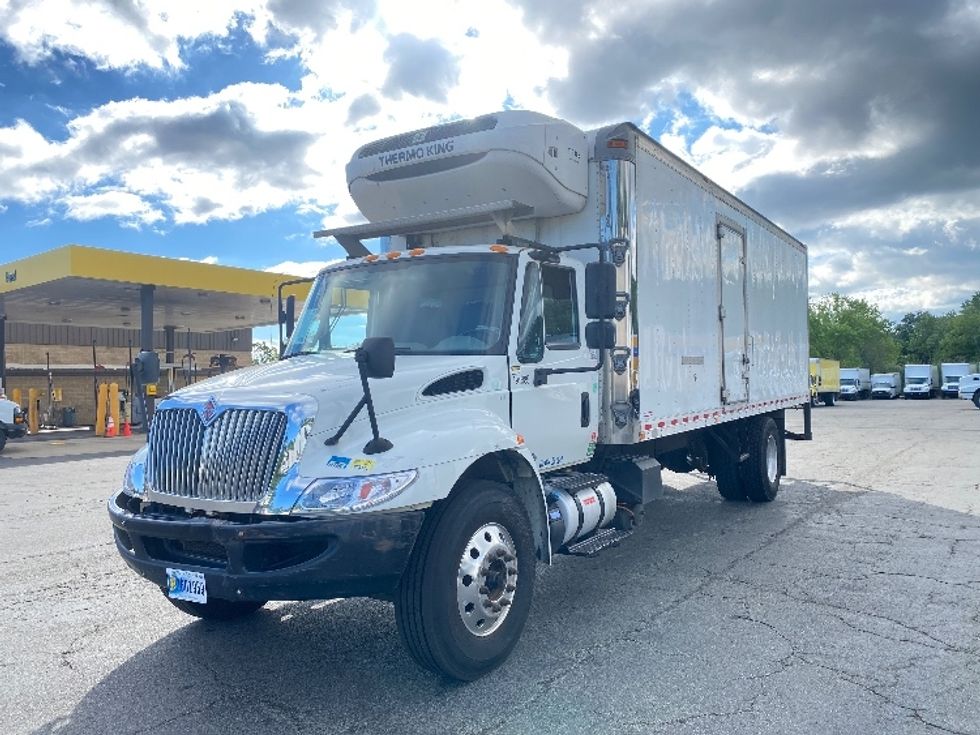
{"points": [[377, 354], [600, 335], [600, 291]]}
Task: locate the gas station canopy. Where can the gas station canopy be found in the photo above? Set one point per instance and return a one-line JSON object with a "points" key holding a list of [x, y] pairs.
{"points": [[93, 287]]}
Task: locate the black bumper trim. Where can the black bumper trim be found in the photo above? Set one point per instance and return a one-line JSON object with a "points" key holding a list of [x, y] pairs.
{"points": [[361, 555], [13, 431]]}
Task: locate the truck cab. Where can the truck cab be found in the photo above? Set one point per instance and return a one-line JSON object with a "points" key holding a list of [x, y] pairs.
{"points": [[13, 423]]}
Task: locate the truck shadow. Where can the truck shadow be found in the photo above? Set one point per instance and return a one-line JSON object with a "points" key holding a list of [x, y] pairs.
{"points": [[340, 667]]}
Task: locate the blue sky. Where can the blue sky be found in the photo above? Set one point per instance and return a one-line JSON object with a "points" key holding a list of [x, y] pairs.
{"points": [[220, 130]]}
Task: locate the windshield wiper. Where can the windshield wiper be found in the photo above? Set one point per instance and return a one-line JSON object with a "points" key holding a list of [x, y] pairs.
{"points": [[300, 352]]}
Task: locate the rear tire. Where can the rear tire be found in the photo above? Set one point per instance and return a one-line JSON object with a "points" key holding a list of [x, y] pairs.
{"points": [[726, 472], [828, 399], [976, 399], [3, 441], [217, 609], [760, 472], [465, 596]]}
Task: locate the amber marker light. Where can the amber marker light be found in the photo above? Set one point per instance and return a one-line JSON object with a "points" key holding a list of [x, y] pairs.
{"points": [[414, 252], [617, 143], [498, 248], [394, 255], [370, 258]]}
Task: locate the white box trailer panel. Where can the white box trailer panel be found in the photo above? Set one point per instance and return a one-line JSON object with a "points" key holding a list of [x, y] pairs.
{"points": [[698, 252]]}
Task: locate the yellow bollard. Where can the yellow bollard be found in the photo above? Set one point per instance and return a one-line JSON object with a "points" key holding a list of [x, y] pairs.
{"points": [[100, 410], [16, 396], [114, 405], [33, 414]]}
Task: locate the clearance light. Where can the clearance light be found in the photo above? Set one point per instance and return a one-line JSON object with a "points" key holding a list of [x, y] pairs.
{"points": [[617, 143], [394, 254], [416, 251], [520, 439], [499, 248], [370, 258]]}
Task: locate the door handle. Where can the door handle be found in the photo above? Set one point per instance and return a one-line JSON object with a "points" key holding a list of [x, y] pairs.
{"points": [[586, 414]]}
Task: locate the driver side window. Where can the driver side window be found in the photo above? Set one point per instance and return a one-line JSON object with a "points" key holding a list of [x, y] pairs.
{"points": [[530, 333]]}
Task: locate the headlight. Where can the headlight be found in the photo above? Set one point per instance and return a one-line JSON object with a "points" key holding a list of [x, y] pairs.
{"points": [[352, 494], [134, 481]]}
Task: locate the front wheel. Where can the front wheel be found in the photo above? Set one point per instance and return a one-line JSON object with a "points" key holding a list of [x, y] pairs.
{"points": [[3, 440], [465, 596], [976, 399]]}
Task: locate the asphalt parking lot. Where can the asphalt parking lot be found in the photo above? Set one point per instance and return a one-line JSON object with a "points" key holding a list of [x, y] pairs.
{"points": [[849, 605]]}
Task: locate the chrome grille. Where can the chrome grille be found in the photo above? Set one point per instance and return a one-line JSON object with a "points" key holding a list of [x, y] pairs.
{"points": [[232, 458]]}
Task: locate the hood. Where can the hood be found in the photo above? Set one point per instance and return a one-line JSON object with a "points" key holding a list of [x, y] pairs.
{"points": [[332, 382]]}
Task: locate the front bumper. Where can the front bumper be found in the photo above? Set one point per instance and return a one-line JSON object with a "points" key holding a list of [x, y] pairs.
{"points": [[13, 431], [361, 555]]}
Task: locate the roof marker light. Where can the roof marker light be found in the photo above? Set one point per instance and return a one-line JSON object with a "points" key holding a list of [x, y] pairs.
{"points": [[370, 258], [394, 255], [498, 248], [416, 251], [617, 143]]}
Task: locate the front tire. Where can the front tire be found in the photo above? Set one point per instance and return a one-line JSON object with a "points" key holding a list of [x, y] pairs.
{"points": [[976, 399], [465, 596], [3, 441], [217, 609]]}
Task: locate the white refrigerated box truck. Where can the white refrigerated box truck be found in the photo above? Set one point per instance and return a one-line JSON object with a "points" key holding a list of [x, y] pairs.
{"points": [[886, 385], [558, 315], [950, 374], [921, 381], [855, 384]]}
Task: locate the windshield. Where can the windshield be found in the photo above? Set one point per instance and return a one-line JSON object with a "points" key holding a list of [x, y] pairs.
{"points": [[953, 378], [917, 381], [848, 381], [432, 305], [883, 384]]}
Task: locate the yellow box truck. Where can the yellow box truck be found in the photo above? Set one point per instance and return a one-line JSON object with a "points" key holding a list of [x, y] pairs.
{"points": [[824, 381]]}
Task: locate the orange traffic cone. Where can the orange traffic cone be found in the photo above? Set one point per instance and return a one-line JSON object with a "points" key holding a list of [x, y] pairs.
{"points": [[126, 429], [110, 427]]}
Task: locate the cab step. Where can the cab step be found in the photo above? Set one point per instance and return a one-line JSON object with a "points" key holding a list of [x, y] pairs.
{"points": [[604, 539]]}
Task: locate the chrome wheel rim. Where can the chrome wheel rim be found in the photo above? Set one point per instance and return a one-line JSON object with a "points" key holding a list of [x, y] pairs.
{"points": [[772, 459], [487, 579]]}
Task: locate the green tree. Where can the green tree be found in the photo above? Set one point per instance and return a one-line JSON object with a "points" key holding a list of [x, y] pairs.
{"points": [[853, 331], [264, 352], [920, 335], [960, 341]]}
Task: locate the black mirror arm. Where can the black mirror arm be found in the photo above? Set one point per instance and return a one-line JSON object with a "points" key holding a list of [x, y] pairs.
{"points": [[541, 374], [378, 443]]}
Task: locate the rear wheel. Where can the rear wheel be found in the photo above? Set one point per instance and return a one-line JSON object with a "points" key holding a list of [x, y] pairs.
{"points": [[3, 440], [723, 464], [976, 399], [466, 593], [828, 399], [760, 471], [217, 609]]}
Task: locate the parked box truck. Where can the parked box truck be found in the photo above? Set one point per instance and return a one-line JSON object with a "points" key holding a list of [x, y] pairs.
{"points": [[969, 388], [921, 381], [558, 316], [825, 382], [886, 385], [950, 374], [855, 383]]}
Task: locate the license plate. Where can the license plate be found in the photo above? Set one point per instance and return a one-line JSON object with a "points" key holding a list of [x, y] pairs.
{"points": [[184, 585]]}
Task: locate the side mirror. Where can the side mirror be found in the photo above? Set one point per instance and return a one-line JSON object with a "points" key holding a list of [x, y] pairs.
{"points": [[600, 335], [600, 291], [377, 354], [289, 316]]}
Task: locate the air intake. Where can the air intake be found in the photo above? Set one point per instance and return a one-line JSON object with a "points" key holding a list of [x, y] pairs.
{"points": [[455, 383]]}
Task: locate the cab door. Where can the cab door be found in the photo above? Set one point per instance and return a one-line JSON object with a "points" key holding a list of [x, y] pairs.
{"points": [[557, 418]]}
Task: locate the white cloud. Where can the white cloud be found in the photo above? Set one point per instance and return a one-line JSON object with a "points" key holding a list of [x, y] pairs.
{"points": [[208, 260], [129, 208]]}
